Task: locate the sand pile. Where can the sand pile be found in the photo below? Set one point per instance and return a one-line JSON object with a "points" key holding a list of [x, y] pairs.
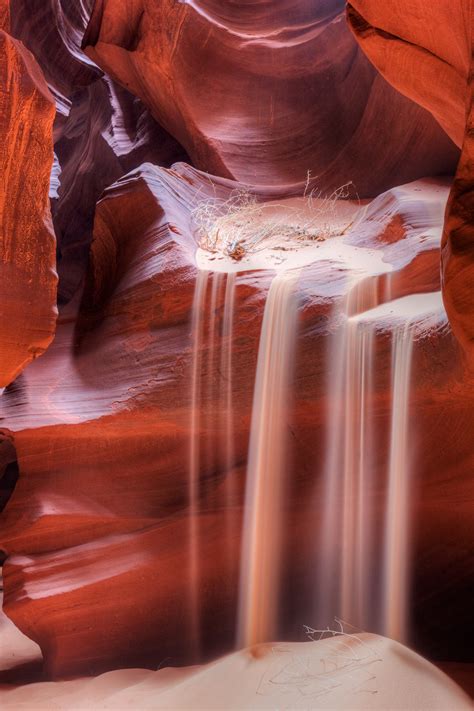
{"points": [[341, 672]]}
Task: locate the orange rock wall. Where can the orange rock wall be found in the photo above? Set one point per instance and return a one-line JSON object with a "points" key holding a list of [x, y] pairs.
{"points": [[96, 531], [27, 242], [426, 52]]}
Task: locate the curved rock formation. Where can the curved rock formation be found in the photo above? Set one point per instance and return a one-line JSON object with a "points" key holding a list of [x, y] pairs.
{"points": [[457, 256], [126, 444], [27, 244], [282, 91], [424, 51], [137, 308], [101, 130], [97, 529], [108, 132], [53, 32], [438, 42]]}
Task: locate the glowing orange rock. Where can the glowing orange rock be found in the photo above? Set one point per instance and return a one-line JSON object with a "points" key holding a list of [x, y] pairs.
{"points": [[425, 51], [97, 529], [27, 244]]}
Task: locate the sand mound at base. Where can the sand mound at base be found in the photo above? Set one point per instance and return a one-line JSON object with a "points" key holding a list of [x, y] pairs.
{"points": [[348, 672]]}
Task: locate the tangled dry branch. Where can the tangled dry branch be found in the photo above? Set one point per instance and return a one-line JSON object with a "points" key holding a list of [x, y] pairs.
{"points": [[241, 225]]}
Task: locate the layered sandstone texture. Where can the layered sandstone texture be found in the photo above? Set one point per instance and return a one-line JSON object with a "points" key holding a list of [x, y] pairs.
{"points": [[101, 131], [423, 50], [97, 529], [27, 242], [264, 95], [426, 52]]}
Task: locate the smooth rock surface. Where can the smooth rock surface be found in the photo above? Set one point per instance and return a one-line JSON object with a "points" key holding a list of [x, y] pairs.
{"points": [[423, 50], [263, 93], [426, 52], [97, 528]]}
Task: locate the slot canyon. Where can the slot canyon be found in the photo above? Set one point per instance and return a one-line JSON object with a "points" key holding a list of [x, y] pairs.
{"points": [[237, 354]]}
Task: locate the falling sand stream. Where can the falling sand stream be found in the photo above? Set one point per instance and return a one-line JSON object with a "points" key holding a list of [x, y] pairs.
{"points": [[203, 453], [197, 336], [397, 522], [362, 510], [362, 564], [261, 542], [352, 560], [344, 548], [364, 557]]}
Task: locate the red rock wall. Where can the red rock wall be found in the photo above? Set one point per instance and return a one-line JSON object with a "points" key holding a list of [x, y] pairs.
{"points": [[263, 95], [426, 52], [27, 243], [101, 131], [457, 257], [96, 530], [423, 50]]}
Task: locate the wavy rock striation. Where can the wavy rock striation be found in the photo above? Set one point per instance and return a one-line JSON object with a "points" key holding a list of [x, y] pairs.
{"points": [[101, 131], [53, 32], [97, 529], [281, 90], [423, 51], [108, 132], [438, 42], [27, 244], [99, 430]]}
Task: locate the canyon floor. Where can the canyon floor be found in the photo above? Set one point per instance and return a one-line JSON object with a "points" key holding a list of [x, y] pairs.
{"points": [[342, 671]]}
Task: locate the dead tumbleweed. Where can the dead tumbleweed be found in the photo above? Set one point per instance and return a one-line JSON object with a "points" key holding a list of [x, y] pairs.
{"points": [[241, 224]]}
